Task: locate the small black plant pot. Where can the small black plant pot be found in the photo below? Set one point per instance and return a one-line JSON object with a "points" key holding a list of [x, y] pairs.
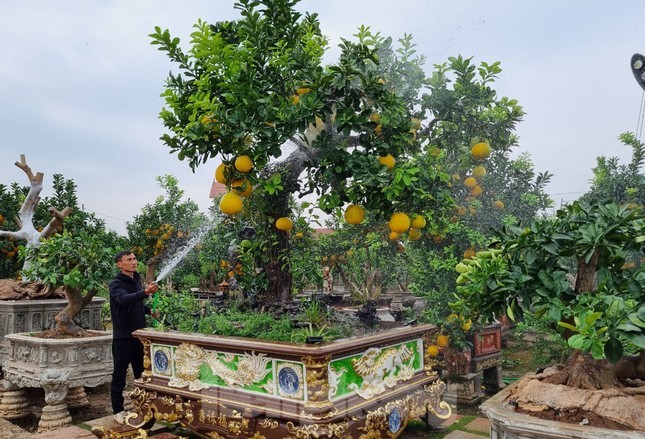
{"points": [[313, 340]]}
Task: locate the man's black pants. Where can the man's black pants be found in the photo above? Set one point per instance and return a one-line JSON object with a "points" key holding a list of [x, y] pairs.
{"points": [[125, 351]]}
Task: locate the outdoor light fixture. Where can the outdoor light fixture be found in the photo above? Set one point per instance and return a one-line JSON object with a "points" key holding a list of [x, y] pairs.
{"points": [[638, 68]]}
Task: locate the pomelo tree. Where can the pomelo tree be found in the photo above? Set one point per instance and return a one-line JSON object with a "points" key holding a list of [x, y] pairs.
{"points": [[249, 90]]}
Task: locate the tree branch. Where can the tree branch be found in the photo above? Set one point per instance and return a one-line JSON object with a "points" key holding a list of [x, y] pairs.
{"points": [[56, 221]]}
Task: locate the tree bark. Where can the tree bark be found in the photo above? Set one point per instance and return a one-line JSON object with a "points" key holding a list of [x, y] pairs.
{"points": [[581, 371], [76, 301]]}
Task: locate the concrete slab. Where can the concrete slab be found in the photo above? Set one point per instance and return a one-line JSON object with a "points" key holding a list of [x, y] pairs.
{"points": [[72, 432], [462, 435], [479, 424]]}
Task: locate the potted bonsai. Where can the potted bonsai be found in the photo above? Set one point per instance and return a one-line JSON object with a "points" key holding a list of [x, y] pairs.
{"points": [[582, 271], [66, 358]]}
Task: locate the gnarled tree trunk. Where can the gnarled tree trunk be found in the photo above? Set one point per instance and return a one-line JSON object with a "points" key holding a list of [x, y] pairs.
{"points": [[76, 301]]}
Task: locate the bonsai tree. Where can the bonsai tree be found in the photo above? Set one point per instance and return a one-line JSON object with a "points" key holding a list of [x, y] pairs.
{"points": [[582, 271], [80, 264]]}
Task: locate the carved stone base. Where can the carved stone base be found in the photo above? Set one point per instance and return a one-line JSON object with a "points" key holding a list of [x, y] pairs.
{"points": [[54, 416], [464, 389], [77, 398], [14, 404]]}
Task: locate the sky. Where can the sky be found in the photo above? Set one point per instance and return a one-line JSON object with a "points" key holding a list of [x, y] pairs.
{"points": [[80, 83]]}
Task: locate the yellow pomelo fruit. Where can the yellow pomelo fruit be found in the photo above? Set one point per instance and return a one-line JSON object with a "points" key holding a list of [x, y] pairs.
{"points": [[387, 161], [284, 224], [242, 186], [470, 182], [432, 350], [479, 171], [299, 235], [443, 341], [414, 234], [378, 130], [480, 151], [303, 90], [467, 325], [497, 204], [452, 317], [399, 222], [231, 203], [476, 190], [295, 99], [418, 222], [468, 254], [375, 117], [243, 164], [393, 236], [354, 214], [220, 173]]}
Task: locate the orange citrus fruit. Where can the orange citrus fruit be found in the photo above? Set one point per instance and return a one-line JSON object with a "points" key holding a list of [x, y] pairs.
{"points": [[468, 254], [243, 164], [432, 351], [354, 214], [284, 224], [303, 90], [399, 222], [443, 341], [414, 234], [378, 130], [299, 235], [231, 203], [470, 182], [476, 190], [375, 117], [387, 161], [480, 151], [452, 317], [242, 186], [497, 204], [418, 222], [220, 173], [479, 171], [467, 325], [393, 236]]}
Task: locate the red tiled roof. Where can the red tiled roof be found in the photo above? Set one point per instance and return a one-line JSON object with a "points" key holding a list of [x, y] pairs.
{"points": [[217, 189]]}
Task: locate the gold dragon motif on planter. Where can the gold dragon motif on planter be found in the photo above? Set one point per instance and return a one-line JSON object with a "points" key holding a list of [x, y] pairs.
{"points": [[189, 358], [382, 368]]}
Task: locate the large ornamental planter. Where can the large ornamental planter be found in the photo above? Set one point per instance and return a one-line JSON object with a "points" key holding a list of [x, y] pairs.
{"points": [[363, 387], [506, 424], [62, 367], [18, 316]]}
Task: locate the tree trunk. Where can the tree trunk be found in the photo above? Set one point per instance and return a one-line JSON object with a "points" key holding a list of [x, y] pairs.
{"points": [[278, 273], [581, 371], [76, 301], [586, 278], [151, 267]]}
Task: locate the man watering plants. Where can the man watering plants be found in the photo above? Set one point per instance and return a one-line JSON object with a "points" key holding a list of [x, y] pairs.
{"points": [[128, 311]]}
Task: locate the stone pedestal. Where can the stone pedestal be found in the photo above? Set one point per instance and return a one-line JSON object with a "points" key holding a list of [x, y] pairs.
{"points": [[464, 389], [14, 404], [490, 369], [77, 398], [55, 365]]}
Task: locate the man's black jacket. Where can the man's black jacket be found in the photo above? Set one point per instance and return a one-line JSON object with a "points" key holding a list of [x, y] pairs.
{"points": [[126, 305]]}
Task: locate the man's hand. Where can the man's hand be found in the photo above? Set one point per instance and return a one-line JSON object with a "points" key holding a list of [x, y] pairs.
{"points": [[151, 289]]}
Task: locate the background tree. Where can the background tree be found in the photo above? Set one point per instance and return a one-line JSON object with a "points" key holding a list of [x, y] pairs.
{"points": [[164, 225], [619, 183]]}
